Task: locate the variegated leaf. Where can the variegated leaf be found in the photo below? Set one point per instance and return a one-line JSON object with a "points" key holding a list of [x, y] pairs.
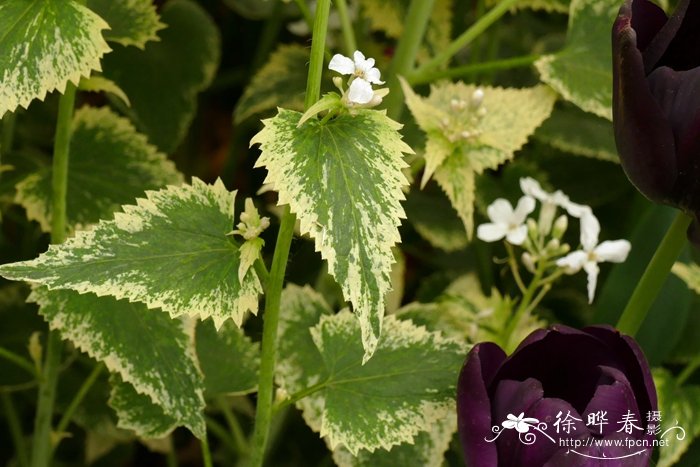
{"points": [[170, 73], [471, 129], [97, 83], [407, 386], [150, 351], [581, 72], [679, 406], [110, 164], [45, 44], [280, 83], [689, 273], [131, 22], [136, 412], [343, 180], [557, 6], [169, 251], [427, 449], [228, 359], [433, 217]]}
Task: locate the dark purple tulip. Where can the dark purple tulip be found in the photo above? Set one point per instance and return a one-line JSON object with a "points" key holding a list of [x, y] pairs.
{"points": [[513, 411], [656, 101]]}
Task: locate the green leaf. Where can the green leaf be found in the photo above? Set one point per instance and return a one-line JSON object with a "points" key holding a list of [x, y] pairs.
{"points": [[148, 349], [433, 217], [281, 82], [101, 84], [581, 72], [171, 73], [407, 386], [427, 450], [343, 180], [131, 22], [555, 6], [168, 251], [110, 164], [45, 44], [678, 405], [138, 413], [228, 359], [572, 130], [468, 134], [690, 274]]}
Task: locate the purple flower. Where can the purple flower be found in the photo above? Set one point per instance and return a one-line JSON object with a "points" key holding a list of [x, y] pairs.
{"points": [[656, 101], [564, 398]]}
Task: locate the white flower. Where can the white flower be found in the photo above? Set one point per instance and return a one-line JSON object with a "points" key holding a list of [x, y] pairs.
{"points": [[363, 72], [531, 187], [592, 253], [506, 222]]}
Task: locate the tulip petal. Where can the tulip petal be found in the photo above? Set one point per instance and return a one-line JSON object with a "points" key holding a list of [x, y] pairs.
{"points": [[614, 396], [681, 33], [643, 135], [647, 20], [474, 404]]}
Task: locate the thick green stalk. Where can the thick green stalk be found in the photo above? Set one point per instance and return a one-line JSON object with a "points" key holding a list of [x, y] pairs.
{"points": [[469, 35], [15, 429], [416, 22], [427, 76], [654, 276], [346, 25], [41, 449], [206, 452], [318, 47]]}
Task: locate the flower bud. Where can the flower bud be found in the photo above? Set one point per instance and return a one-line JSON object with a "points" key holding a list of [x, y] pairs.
{"points": [[560, 226]]}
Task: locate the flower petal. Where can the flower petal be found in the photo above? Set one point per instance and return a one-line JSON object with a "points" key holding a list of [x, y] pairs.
{"points": [[525, 206], [372, 75], [517, 235], [491, 232], [342, 65], [532, 187], [592, 270], [573, 262], [360, 91], [359, 58], [671, 45], [474, 404], [500, 211], [590, 229], [614, 251], [615, 396]]}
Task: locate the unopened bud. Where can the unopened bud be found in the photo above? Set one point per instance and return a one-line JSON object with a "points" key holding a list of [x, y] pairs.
{"points": [[529, 262], [532, 228], [338, 82], [552, 245], [547, 213], [560, 226], [477, 98]]}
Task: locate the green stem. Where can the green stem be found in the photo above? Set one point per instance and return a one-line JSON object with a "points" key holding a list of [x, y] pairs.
{"points": [[688, 371], [7, 133], [306, 13], [41, 448], [299, 395], [513, 263], [654, 276], [524, 307], [427, 76], [239, 440], [18, 360], [78, 398], [346, 25], [468, 36], [318, 47], [416, 22], [170, 457], [15, 429], [206, 452], [273, 293], [268, 35]]}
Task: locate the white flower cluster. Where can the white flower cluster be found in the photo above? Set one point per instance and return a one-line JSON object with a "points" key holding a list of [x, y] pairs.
{"points": [[363, 75], [541, 238]]}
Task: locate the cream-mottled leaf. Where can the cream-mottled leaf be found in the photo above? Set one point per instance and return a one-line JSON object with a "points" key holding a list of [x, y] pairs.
{"points": [[407, 386], [148, 350], [679, 405], [228, 359], [131, 22], [137, 413], [427, 449], [250, 251], [581, 72], [281, 82], [169, 251], [689, 273], [98, 83], [432, 215], [110, 164], [471, 129], [45, 44], [343, 179]]}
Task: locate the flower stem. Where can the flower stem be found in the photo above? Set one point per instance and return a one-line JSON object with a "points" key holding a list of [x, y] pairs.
{"points": [[513, 263], [346, 25], [18, 360], [525, 306], [268, 35], [41, 448], [427, 76], [239, 440], [468, 36], [15, 429], [306, 13], [654, 276], [78, 398], [415, 24], [688, 371], [206, 452]]}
